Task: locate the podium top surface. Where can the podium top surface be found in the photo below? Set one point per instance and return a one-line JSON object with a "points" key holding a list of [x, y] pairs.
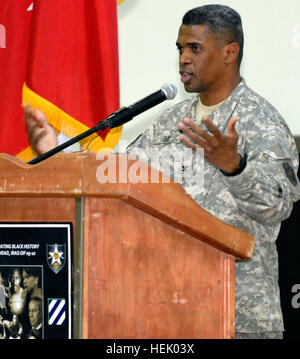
{"points": [[88, 175]]}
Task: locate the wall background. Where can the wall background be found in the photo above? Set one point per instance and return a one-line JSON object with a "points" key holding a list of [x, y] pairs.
{"points": [[148, 55]]}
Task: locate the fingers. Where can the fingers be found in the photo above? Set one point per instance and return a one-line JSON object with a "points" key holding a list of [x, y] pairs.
{"points": [[212, 141], [28, 111], [200, 137], [35, 137], [34, 117], [212, 128], [192, 133], [40, 118], [36, 124], [199, 143], [231, 126], [213, 134], [42, 136], [215, 131]]}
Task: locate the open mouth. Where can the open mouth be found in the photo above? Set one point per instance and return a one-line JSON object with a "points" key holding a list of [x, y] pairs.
{"points": [[186, 76]]}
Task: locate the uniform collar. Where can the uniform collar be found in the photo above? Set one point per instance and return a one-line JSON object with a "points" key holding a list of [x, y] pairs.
{"points": [[225, 111]]}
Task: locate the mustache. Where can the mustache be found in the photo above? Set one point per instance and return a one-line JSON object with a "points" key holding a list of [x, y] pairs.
{"points": [[184, 70]]}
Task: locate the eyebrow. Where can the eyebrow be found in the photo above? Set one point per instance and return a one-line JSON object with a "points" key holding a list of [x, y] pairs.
{"points": [[195, 43]]}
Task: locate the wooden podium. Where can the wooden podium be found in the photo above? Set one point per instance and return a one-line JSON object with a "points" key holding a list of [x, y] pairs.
{"points": [[149, 262]]}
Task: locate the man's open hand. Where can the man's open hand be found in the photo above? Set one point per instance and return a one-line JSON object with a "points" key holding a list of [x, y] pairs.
{"points": [[41, 134], [219, 149]]}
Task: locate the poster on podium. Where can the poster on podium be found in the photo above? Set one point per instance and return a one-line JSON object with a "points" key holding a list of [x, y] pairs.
{"points": [[36, 280]]}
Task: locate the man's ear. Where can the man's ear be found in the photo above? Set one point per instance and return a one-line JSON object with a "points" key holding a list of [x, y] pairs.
{"points": [[231, 52]]}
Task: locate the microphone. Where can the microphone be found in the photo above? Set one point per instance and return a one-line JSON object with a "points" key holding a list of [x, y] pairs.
{"points": [[116, 119], [125, 114]]}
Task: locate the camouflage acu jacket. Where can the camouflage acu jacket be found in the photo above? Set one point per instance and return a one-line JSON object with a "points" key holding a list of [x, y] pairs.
{"points": [[257, 200]]}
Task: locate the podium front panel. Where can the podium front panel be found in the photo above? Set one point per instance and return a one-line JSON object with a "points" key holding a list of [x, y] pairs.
{"points": [[145, 279]]}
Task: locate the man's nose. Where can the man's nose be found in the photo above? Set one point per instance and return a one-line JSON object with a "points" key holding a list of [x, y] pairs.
{"points": [[185, 57]]}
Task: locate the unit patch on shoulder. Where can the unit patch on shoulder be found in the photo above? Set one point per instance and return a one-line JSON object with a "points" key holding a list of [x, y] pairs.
{"points": [[289, 171]]}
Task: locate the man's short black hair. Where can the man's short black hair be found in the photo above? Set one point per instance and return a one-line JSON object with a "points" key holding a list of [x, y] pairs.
{"points": [[223, 21]]}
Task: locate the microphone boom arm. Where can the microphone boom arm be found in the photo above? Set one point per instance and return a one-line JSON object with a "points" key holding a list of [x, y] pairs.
{"points": [[102, 125], [116, 119]]}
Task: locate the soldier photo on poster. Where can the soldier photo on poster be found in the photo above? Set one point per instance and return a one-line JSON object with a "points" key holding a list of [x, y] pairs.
{"points": [[21, 302], [35, 281]]}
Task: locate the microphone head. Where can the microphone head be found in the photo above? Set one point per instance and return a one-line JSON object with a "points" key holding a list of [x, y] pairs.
{"points": [[169, 90]]}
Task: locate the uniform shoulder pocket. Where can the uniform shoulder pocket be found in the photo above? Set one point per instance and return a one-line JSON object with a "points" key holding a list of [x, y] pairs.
{"points": [[278, 152]]}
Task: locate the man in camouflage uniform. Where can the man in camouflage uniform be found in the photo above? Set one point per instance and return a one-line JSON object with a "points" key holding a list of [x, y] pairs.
{"points": [[250, 158], [254, 192]]}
